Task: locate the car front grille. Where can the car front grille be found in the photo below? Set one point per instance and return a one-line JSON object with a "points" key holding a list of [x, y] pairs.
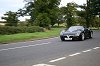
{"points": [[65, 37], [69, 36]]}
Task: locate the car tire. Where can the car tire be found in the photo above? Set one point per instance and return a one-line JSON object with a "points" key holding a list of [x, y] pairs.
{"points": [[82, 37], [90, 35], [62, 39]]}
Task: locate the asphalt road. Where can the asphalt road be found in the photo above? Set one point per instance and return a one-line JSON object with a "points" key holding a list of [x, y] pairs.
{"points": [[52, 52]]}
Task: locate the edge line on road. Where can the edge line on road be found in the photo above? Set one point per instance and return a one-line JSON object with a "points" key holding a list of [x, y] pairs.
{"points": [[87, 50], [96, 48], [75, 54], [24, 46], [62, 58]]}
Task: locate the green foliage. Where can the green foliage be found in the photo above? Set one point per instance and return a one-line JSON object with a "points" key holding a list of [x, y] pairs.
{"points": [[95, 22], [11, 18], [34, 29], [27, 36], [8, 30], [81, 17], [70, 12], [43, 20], [13, 30], [38, 8], [94, 6], [90, 11], [54, 15]]}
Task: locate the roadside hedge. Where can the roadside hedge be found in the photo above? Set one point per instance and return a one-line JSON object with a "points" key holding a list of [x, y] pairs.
{"points": [[6, 30]]}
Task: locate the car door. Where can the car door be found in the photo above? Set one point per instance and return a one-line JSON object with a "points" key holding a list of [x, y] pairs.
{"points": [[86, 31]]}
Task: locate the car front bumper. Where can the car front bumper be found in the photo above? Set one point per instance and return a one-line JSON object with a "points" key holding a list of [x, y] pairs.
{"points": [[69, 37]]}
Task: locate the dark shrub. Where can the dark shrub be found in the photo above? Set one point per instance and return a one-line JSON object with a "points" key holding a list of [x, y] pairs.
{"points": [[6, 30], [9, 30], [35, 29]]}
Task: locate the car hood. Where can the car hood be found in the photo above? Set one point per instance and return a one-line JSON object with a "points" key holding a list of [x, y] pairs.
{"points": [[71, 33]]}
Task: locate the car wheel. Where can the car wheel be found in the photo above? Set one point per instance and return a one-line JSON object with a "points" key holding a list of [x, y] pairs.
{"points": [[82, 37], [90, 35], [62, 39]]}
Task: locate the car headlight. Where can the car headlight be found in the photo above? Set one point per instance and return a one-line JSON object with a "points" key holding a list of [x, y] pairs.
{"points": [[61, 33]]}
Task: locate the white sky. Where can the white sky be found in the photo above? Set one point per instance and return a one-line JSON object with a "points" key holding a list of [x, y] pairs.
{"points": [[80, 2], [14, 5]]}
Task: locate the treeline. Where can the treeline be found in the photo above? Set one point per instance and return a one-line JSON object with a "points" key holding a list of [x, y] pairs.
{"points": [[47, 13]]}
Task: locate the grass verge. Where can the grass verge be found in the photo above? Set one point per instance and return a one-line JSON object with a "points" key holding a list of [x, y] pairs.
{"points": [[29, 36]]}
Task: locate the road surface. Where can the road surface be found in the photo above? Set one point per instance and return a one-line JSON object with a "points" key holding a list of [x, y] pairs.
{"points": [[52, 52]]}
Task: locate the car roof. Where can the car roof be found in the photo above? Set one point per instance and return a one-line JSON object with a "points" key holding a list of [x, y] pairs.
{"points": [[78, 26]]}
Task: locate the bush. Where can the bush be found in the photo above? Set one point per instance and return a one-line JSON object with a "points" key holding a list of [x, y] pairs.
{"points": [[34, 29], [6, 30], [43, 20]]}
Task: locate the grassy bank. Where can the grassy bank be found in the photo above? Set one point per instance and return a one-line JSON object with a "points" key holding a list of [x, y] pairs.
{"points": [[29, 36], [94, 28]]}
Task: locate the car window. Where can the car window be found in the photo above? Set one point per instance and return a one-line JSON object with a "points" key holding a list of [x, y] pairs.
{"points": [[75, 28]]}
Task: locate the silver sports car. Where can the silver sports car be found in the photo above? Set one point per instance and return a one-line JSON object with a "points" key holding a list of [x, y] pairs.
{"points": [[76, 32]]}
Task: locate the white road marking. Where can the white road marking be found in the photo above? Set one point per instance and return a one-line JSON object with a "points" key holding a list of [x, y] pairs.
{"points": [[74, 54], [32, 41], [5, 44], [54, 38], [3, 49], [62, 58], [43, 65], [57, 59], [11, 48], [24, 46], [96, 48], [87, 50]]}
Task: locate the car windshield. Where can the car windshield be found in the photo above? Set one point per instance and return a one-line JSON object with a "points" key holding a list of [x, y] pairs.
{"points": [[75, 28]]}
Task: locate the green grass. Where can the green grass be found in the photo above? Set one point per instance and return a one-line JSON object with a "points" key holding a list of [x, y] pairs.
{"points": [[29, 36], [95, 28]]}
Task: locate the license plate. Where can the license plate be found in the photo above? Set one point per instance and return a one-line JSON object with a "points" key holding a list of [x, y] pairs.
{"points": [[68, 38]]}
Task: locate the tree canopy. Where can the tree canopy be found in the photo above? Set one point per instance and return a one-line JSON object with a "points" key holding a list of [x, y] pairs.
{"points": [[94, 6], [11, 18], [45, 13], [37, 7], [70, 13]]}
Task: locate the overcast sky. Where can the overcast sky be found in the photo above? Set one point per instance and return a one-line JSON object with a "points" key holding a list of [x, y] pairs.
{"points": [[14, 5]]}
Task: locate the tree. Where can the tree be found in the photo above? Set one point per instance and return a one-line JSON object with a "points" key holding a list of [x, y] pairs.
{"points": [[70, 13], [92, 9], [85, 13], [54, 15], [43, 20], [28, 10], [60, 17], [81, 17], [11, 18], [94, 6], [96, 22], [36, 7]]}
